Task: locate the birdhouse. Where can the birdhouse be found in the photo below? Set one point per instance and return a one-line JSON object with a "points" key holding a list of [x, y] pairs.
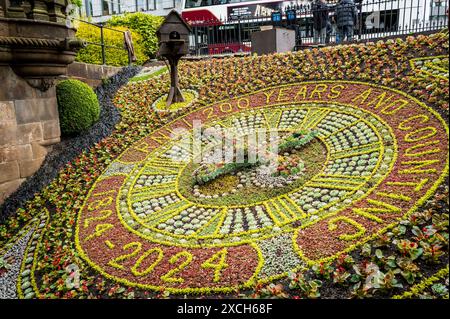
{"points": [[173, 35]]}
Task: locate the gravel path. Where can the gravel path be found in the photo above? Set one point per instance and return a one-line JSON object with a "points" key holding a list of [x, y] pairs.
{"points": [[150, 70]]}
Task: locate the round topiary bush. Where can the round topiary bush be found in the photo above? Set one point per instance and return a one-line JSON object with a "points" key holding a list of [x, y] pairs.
{"points": [[77, 105]]}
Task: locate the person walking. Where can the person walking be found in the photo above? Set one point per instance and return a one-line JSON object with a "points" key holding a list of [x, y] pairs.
{"points": [[346, 16], [329, 32], [320, 21]]}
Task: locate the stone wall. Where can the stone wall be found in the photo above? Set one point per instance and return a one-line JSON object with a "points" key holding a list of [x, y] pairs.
{"points": [[91, 74], [29, 125], [29, 122]]}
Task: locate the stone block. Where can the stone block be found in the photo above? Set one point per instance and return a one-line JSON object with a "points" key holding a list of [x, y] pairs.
{"points": [[29, 167], [9, 171], [51, 92], [109, 71], [7, 114], [274, 40], [8, 188], [13, 87], [27, 111], [16, 152], [47, 109], [77, 69], [38, 150], [51, 129], [27, 133], [49, 142], [94, 72], [8, 136]]}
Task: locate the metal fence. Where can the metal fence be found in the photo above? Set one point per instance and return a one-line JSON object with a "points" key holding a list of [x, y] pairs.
{"points": [[102, 43], [374, 19]]}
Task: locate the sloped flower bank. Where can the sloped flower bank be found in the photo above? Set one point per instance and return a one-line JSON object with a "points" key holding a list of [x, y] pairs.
{"points": [[366, 218]]}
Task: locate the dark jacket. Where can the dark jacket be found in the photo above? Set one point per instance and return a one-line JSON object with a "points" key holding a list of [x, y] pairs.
{"points": [[346, 13], [320, 15]]}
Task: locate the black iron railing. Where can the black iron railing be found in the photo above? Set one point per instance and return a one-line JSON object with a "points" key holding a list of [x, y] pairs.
{"points": [[101, 42], [374, 19]]}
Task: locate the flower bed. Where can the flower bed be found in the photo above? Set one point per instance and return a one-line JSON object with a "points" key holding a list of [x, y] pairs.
{"points": [[367, 218], [160, 104]]}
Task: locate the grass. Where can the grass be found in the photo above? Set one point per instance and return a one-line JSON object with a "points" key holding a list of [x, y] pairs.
{"points": [[149, 76]]}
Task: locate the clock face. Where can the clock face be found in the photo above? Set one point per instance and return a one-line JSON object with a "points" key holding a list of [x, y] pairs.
{"points": [[352, 151], [151, 220]]}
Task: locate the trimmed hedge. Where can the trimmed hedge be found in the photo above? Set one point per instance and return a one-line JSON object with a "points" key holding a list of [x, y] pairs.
{"points": [[116, 57], [143, 24], [68, 149], [77, 105]]}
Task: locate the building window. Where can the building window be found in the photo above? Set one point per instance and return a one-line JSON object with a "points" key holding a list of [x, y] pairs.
{"points": [[140, 4], [438, 9], [105, 8], [151, 5], [88, 9], [97, 8], [128, 5], [168, 4], [115, 6]]}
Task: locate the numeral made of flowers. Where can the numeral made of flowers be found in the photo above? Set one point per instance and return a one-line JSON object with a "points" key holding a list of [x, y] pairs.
{"points": [[96, 204], [116, 262], [217, 262], [149, 269], [209, 112], [169, 277], [184, 258], [104, 214], [100, 229]]}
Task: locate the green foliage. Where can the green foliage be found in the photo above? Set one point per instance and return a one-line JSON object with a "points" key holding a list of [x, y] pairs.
{"points": [[209, 172], [323, 270], [77, 3], [439, 289], [309, 288], [138, 78], [4, 264], [271, 291], [407, 247], [143, 24], [77, 105], [114, 56], [296, 141]]}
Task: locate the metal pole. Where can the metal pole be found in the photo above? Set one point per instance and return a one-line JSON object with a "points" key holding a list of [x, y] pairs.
{"points": [[197, 50], [239, 30], [102, 43], [360, 21]]}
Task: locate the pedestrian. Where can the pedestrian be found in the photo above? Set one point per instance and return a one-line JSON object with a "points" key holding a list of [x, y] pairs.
{"points": [[320, 21], [329, 32], [346, 16]]}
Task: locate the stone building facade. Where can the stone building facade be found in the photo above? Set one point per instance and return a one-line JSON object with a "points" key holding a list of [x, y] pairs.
{"points": [[29, 122], [36, 45], [29, 126]]}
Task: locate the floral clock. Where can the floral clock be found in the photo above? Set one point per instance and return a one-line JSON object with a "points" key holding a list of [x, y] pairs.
{"points": [[160, 106], [375, 156]]}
